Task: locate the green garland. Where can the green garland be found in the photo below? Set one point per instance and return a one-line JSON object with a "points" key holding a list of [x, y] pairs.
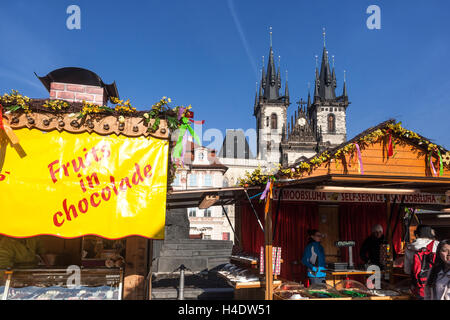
{"points": [[398, 133], [17, 103]]}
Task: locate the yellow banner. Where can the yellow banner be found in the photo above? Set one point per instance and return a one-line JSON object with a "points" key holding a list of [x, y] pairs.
{"points": [[71, 185]]}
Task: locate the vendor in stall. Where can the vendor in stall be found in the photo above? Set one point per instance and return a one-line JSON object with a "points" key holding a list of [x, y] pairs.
{"points": [[370, 249], [314, 258], [21, 253]]}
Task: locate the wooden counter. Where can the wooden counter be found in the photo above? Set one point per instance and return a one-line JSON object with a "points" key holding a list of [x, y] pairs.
{"points": [[248, 290]]}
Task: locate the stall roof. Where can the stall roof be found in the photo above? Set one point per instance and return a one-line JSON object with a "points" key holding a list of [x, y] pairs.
{"points": [[191, 198], [423, 184]]}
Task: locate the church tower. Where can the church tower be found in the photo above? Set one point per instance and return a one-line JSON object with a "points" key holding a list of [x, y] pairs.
{"points": [[328, 111], [270, 110]]}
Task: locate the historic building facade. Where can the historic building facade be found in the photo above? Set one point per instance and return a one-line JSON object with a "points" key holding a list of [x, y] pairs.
{"points": [[315, 125], [202, 170]]}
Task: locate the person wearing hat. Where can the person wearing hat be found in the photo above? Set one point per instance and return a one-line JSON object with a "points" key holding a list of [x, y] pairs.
{"points": [[370, 249]]}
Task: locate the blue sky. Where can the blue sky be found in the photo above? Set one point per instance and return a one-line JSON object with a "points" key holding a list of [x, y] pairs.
{"points": [[208, 54]]}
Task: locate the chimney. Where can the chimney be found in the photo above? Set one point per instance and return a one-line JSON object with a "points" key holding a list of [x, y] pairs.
{"points": [[78, 93], [77, 85]]}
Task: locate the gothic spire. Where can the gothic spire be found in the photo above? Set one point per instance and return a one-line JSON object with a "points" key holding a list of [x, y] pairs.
{"points": [[272, 81], [286, 89], [278, 73], [326, 89], [344, 91], [256, 95], [261, 85], [333, 75]]}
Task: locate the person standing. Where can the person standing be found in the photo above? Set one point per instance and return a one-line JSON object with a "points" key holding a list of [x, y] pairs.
{"points": [[424, 237], [21, 253], [419, 259], [370, 249], [314, 258], [438, 282]]}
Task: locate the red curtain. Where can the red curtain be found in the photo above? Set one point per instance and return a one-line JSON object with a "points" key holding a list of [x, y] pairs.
{"points": [[293, 221], [356, 221]]}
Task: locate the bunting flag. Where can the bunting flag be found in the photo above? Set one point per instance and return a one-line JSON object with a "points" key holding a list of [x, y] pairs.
{"points": [[431, 163], [358, 151], [9, 132], [269, 197], [441, 166], [266, 190], [390, 148], [184, 128]]}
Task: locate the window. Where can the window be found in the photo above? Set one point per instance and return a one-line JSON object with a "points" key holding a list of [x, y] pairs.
{"points": [[192, 212], [201, 155], [207, 213], [192, 180], [225, 182], [273, 121], [225, 236], [235, 148], [208, 180], [207, 236], [176, 181], [331, 123], [225, 210]]}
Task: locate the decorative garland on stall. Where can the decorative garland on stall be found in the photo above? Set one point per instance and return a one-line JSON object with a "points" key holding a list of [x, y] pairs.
{"points": [[85, 113], [391, 134]]}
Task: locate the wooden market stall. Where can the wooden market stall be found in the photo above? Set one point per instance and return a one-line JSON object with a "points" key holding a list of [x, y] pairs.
{"points": [[343, 192], [86, 181]]}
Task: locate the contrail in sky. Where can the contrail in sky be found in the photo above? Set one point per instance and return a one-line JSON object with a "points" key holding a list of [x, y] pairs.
{"points": [[242, 36]]}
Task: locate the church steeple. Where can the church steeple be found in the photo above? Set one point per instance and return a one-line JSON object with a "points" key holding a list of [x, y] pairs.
{"points": [[272, 82], [326, 87]]}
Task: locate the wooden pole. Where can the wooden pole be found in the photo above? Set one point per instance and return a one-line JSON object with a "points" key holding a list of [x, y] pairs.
{"points": [[150, 273], [390, 259], [268, 249]]}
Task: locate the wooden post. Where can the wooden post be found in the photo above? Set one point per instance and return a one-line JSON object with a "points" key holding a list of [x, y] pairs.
{"points": [[268, 250], [389, 238], [135, 268], [150, 273]]}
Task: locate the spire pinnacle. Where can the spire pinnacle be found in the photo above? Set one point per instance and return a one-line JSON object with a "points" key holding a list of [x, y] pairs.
{"points": [[286, 89], [270, 33], [324, 37], [256, 94], [344, 90]]}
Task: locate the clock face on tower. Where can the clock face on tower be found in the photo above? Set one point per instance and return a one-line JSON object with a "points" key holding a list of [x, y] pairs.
{"points": [[301, 121]]}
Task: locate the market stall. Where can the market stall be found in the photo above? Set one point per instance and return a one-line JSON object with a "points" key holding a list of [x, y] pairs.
{"points": [[82, 184], [344, 192]]}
